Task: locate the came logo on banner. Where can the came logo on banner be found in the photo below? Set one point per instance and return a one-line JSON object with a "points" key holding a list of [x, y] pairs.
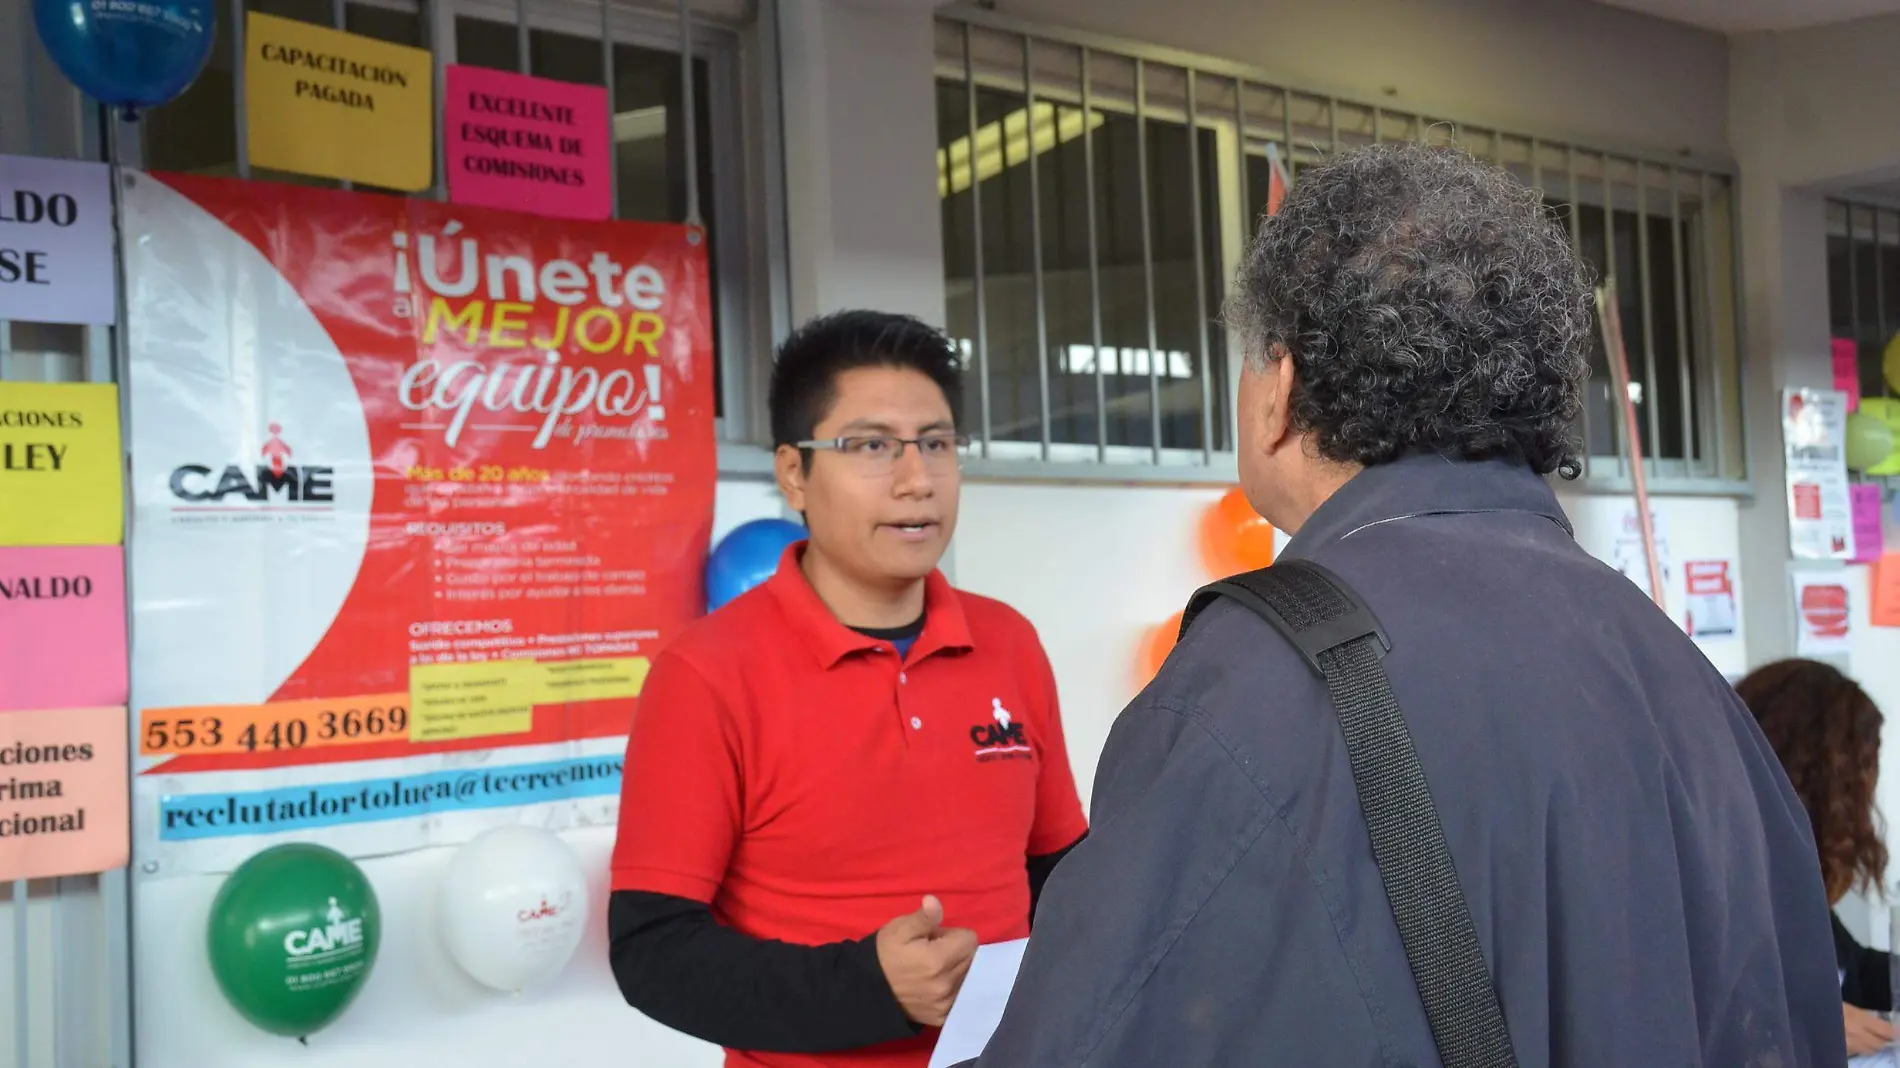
{"points": [[275, 482]]}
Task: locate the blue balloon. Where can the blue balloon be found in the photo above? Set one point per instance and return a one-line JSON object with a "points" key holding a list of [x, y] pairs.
{"points": [[746, 557], [129, 54]]}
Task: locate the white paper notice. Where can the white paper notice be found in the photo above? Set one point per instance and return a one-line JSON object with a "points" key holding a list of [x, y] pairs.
{"points": [[1821, 614], [1820, 509], [980, 1003]]}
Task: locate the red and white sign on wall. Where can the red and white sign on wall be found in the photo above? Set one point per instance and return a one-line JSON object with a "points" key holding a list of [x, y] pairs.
{"points": [[414, 481], [1710, 608], [1822, 615]]}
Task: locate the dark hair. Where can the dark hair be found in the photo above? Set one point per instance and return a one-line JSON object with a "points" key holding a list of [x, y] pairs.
{"points": [[1826, 730], [805, 374], [1429, 303]]}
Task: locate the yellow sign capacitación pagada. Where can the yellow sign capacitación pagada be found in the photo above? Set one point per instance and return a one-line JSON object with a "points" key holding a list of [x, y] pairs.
{"points": [[339, 105]]}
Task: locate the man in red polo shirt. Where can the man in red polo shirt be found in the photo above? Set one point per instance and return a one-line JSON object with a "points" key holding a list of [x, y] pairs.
{"points": [[842, 782]]}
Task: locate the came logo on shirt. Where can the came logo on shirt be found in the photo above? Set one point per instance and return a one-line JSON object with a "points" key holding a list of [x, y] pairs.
{"points": [[1001, 739]]}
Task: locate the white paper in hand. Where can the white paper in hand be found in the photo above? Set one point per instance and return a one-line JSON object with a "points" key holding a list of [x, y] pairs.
{"points": [[980, 1002]]}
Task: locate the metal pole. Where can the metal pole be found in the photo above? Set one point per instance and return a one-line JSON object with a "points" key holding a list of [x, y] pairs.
{"points": [[523, 61], [432, 18], [1286, 138], [1611, 324], [1095, 260], [1200, 272], [1147, 253], [239, 100], [22, 978], [607, 79], [1880, 296], [1652, 386], [114, 885], [1240, 135], [1035, 241], [1709, 313], [340, 20], [690, 135], [1609, 275], [976, 245], [1684, 380]]}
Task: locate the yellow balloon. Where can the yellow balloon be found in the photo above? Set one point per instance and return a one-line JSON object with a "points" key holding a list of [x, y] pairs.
{"points": [[1890, 363], [1887, 410]]}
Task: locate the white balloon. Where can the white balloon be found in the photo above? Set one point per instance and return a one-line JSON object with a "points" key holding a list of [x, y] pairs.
{"points": [[512, 907]]}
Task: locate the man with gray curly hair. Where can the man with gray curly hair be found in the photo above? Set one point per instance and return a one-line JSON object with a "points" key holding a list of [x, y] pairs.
{"points": [[1640, 885]]}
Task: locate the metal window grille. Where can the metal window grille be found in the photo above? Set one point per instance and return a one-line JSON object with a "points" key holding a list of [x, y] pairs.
{"points": [[671, 145], [1863, 287], [1097, 194]]}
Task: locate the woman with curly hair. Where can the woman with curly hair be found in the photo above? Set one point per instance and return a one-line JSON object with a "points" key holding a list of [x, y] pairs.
{"points": [[1826, 730]]}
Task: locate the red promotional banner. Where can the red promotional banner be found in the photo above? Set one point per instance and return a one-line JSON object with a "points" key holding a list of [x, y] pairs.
{"points": [[457, 464]]}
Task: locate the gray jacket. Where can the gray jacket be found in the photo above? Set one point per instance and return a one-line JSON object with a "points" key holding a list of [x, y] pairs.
{"points": [[1642, 877]]}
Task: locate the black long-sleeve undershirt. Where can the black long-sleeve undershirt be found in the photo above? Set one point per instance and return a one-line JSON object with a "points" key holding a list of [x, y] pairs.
{"points": [[1866, 974], [678, 964]]}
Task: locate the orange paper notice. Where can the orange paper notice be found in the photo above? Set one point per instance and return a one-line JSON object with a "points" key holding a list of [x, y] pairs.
{"points": [[63, 792], [1883, 581]]}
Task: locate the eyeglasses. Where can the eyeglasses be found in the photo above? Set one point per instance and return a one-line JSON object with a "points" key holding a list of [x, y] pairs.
{"points": [[877, 454]]}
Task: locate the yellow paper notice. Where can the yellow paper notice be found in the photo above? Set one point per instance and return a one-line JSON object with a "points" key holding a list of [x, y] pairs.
{"points": [[477, 700], [338, 105], [60, 464], [568, 681]]}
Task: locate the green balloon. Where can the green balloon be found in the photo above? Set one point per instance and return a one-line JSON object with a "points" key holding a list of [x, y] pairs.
{"points": [[1869, 441], [293, 935]]}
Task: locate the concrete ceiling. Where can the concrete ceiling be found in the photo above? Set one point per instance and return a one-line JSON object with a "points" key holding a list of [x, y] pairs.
{"points": [[1738, 16]]}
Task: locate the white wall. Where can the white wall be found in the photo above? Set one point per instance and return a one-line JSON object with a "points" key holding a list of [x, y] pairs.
{"points": [[860, 157], [1123, 559], [1554, 68], [1809, 113], [1816, 103]]}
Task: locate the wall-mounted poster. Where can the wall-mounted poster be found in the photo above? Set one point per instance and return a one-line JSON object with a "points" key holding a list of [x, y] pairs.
{"points": [[339, 105], [56, 241], [431, 485], [1814, 442], [1823, 614], [527, 144]]}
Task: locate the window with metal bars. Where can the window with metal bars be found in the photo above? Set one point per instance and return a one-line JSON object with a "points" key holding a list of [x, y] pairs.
{"points": [[1087, 248], [1863, 286]]}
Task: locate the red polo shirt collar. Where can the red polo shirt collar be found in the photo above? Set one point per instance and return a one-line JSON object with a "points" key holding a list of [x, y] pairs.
{"points": [[945, 628]]}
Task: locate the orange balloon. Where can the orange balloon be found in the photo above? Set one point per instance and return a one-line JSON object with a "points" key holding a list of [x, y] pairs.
{"points": [[1234, 538], [1156, 646]]}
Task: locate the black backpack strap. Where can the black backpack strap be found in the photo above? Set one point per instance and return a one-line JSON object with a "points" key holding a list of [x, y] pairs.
{"points": [[1343, 643]]}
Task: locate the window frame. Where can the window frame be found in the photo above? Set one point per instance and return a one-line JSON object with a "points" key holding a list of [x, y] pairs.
{"points": [[1712, 303]]}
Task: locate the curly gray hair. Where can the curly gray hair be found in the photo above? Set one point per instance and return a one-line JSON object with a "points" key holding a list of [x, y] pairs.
{"points": [[1429, 302]]}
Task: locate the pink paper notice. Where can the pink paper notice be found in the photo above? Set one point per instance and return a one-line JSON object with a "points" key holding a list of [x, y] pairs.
{"points": [[527, 144], [1847, 370], [62, 627]]}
